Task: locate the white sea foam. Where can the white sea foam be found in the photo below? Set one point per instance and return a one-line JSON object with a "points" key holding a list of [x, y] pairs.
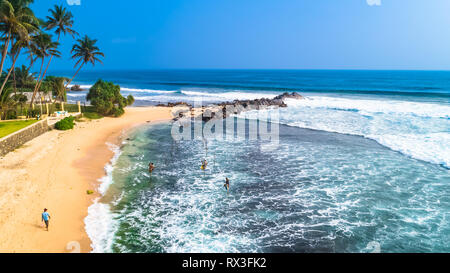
{"points": [[433, 147], [77, 95], [146, 90], [127, 89], [100, 227], [191, 96], [143, 94], [419, 130], [228, 95], [99, 223], [290, 208], [375, 106]]}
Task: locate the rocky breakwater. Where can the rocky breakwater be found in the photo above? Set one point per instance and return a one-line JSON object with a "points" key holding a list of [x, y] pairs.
{"points": [[225, 109]]}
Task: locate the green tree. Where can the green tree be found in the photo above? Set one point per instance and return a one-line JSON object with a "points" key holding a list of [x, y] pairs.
{"points": [[32, 51], [24, 79], [20, 43], [7, 103], [107, 100], [62, 21], [44, 47], [56, 84], [16, 20], [20, 99], [85, 51]]}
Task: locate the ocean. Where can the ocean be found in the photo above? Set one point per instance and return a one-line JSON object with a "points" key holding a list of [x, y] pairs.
{"points": [[362, 165]]}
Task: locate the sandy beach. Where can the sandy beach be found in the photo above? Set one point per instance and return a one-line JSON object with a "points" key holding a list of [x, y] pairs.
{"points": [[54, 171]]}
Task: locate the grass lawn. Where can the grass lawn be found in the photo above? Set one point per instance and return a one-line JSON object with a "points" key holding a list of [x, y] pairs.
{"points": [[88, 111], [10, 127], [92, 115]]}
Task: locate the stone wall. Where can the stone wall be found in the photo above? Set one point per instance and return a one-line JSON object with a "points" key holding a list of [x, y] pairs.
{"points": [[16, 139]]}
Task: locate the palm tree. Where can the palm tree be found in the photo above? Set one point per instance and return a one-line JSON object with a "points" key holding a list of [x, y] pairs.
{"points": [[62, 21], [20, 99], [23, 77], [33, 51], [17, 21], [59, 90], [20, 43], [85, 51], [6, 102], [44, 47]]}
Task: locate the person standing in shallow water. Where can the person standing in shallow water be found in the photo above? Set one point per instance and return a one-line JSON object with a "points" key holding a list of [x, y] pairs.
{"points": [[227, 184], [151, 167], [204, 164], [45, 218]]}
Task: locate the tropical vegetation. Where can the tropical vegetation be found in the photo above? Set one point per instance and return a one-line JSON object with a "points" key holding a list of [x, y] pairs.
{"points": [[107, 100], [39, 41], [65, 124]]}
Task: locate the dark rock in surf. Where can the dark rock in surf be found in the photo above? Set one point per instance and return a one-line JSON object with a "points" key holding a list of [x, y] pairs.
{"points": [[225, 109], [76, 87]]}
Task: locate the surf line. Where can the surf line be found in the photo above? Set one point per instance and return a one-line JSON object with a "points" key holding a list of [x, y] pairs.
{"points": [[193, 263]]}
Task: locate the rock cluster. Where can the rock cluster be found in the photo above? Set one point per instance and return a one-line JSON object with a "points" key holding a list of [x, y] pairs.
{"points": [[225, 109], [76, 87], [172, 104]]}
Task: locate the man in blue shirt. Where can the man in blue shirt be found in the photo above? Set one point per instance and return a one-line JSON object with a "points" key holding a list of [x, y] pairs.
{"points": [[45, 218]]}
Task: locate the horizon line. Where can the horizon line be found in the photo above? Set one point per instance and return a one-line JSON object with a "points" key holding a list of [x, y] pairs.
{"points": [[254, 69]]}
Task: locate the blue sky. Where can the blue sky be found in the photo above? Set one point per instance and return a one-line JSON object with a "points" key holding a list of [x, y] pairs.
{"points": [[262, 34]]}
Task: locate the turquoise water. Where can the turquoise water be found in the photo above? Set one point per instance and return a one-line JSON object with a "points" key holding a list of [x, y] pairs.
{"points": [[406, 111], [317, 192], [363, 163]]}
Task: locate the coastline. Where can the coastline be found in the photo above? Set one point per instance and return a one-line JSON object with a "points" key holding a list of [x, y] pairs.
{"points": [[54, 171]]}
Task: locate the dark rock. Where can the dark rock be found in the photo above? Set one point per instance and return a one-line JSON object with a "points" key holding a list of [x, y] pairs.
{"points": [[172, 104], [220, 110], [76, 87]]}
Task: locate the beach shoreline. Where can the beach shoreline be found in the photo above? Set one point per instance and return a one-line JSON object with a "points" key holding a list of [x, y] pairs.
{"points": [[54, 171]]}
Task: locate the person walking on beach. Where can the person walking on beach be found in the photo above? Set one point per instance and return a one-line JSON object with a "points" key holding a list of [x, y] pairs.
{"points": [[151, 167], [45, 218], [227, 184]]}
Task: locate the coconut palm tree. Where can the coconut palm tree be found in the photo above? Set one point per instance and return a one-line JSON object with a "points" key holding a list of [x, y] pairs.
{"points": [[23, 77], [16, 19], [32, 51], [20, 42], [44, 47], [6, 103], [62, 21], [20, 99], [13, 54], [59, 90], [85, 51]]}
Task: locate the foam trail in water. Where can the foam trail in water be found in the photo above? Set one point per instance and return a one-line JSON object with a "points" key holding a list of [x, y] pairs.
{"points": [[99, 223]]}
